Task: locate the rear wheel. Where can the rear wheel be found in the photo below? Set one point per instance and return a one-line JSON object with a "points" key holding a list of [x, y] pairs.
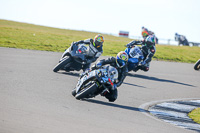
{"points": [[62, 63], [84, 93], [197, 65]]}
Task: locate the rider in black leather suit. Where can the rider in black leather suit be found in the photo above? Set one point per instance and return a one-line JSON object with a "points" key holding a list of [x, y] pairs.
{"points": [[120, 63], [148, 49]]}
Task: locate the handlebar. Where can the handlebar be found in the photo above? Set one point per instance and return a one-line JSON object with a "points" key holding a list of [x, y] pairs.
{"points": [[133, 43]]}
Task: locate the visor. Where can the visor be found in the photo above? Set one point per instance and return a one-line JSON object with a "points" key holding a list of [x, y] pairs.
{"points": [[97, 44]]}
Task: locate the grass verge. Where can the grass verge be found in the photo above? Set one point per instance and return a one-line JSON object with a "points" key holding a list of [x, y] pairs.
{"points": [[195, 115], [35, 37]]}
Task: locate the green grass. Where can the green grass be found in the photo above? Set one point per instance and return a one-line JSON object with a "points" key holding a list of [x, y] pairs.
{"points": [[177, 53], [29, 36], [195, 115]]}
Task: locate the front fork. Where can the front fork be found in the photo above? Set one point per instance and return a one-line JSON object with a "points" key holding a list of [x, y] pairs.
{"points": [[65, 53]]}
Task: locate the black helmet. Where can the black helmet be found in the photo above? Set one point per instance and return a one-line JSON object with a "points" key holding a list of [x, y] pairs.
{"points": [[150, 41]]}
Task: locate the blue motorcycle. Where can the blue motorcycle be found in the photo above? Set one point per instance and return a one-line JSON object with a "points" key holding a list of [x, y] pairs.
{"points": [[135, 56]]}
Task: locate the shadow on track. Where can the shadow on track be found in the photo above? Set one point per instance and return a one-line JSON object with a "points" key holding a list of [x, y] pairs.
{"points": [[157, 79], [134, 85], [116, 105]]}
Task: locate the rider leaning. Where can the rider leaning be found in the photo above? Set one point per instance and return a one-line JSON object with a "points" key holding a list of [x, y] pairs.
{"points": [[96, 49], [120, 63], [148, 49]]}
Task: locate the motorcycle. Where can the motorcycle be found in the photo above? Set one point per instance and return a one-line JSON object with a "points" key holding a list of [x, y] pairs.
{"points": [[95, 82], [74, 58], [197, 65], [135, 56]]}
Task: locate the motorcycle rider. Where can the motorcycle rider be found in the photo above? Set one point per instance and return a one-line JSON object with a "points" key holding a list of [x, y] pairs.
{"points": [[181, 39], [146, 33], [96, 49], [120, 63], [148, 49], [135, 57]]}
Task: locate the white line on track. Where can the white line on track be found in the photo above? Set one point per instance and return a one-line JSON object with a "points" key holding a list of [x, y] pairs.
{"points": [[174, 112]]}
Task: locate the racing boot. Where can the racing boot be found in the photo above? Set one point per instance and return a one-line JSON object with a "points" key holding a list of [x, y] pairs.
{"points": [[104, 92]]}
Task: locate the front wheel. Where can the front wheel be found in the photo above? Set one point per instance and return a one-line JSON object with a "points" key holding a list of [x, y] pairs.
{"points": [[85, 92], [197, 65], [62, 63], [74, 92]]}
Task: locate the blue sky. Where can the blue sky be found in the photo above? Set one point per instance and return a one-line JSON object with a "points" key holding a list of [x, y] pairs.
{"points": [[164, 17]]}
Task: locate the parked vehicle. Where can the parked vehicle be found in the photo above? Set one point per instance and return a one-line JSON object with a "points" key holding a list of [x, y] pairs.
{"points": [[95, 82]]}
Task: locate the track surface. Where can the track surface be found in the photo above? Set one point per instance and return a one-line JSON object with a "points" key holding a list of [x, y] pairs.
{"points": [[34, 99]]}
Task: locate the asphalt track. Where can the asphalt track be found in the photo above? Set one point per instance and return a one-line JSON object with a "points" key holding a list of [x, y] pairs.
{"points": [[34, 99]]}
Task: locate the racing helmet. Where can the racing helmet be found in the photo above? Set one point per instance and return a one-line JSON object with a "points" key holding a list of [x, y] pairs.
{"points": [[121, 59], [98, 41], [145, 33], [150, 41]]}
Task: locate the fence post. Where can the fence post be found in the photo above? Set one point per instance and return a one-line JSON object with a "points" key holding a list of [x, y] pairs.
{"points": [[169, 41]]}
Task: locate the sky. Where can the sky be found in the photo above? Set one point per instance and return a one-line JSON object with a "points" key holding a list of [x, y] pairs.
{"points": [[163, 17]]}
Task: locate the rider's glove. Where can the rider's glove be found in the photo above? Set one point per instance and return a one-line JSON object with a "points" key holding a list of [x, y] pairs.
{"points": [[78, 42], [141, 57], [128, 45], [143, 63], [75, 43], [93, 67], [98, 65]]}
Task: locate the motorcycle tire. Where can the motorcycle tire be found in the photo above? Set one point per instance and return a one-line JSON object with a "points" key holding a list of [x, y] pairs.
{"points": [[86, 91], [197, 65], [61, 64], [74, 92]]}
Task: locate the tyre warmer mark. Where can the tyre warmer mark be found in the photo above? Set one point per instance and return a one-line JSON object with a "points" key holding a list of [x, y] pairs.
{"points": [[177, 113]]}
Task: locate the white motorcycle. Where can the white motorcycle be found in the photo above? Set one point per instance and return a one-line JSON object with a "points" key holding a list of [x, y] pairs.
{"points": [[74, 58]]}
